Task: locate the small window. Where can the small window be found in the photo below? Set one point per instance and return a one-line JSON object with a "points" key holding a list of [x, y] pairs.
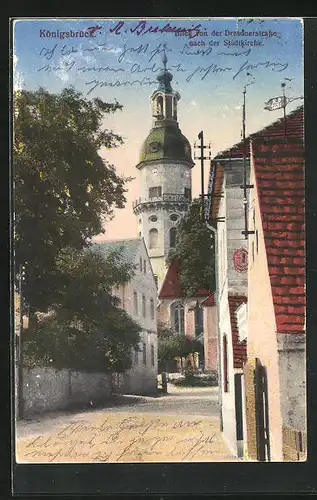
{"points": [[159, 107], [135, 303], [174, 108], [155, 192], [140, 234], [177, 316], [144, 266], [156, 280], [188, 193], [252, 251], [173, 237], [141, 264], [143, 306], [153, 238], [257, 241], [152, 355], [152, 308], [140, 221], [136, 356], [199, 320], [174, 217], [153, 218], [144, 353]]}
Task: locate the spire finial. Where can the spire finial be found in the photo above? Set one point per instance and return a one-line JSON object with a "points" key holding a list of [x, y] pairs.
{"points": [[164, 58]]}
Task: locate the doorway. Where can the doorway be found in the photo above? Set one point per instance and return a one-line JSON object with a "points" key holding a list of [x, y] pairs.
{"points": [[261, 412]]}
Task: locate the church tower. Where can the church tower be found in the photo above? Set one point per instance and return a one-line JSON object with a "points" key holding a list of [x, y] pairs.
{"points": [[165, 176]]}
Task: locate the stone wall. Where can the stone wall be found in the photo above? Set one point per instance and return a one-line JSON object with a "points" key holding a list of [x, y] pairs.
{"points": [[141, 380], [292, 370], [46, 389]]}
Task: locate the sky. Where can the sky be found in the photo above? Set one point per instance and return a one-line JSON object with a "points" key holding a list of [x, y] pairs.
{"points": [[211, 61]]}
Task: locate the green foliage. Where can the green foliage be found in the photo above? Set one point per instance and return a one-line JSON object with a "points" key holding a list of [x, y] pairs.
{"points": [[195, 251], [189, 346], [171, 345], [63, 190], [197, 381], [189, 372], [86, 330], [164, 331]]}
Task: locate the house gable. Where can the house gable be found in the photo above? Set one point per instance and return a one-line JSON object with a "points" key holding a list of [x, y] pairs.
{"points": [[295, 128], [171, 287]]}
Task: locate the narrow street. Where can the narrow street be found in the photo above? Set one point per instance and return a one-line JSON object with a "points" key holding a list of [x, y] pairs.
{"points": [[182, 426]]}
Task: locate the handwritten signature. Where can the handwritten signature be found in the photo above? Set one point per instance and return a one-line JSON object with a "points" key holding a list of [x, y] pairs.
{"points": [[143, 28]]}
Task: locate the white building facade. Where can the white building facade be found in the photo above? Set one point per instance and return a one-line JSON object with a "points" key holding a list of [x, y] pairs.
{"points": [[138, 298], [231, 267]]}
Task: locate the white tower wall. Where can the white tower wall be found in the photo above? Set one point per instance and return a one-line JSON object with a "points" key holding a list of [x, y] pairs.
{"points": [[165, 177]]}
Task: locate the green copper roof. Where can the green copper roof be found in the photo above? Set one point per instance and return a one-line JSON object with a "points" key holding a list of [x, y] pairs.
{"points": [[166, 142]]}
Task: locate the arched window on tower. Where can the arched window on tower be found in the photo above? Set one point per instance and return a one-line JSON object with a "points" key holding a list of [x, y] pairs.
{"points": [[172, 237], [159, 107], [177, 317], [174, 108], [153, 238]]}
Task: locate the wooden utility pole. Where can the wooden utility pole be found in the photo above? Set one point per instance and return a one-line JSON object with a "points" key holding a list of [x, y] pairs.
{"points": [[202, 158], [284, 108]]}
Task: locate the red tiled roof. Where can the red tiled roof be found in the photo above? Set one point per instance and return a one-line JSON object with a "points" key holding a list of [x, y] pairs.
{"points": [[294, 128], [210, 301], [279, 173], [171, 287], [239, 348]]}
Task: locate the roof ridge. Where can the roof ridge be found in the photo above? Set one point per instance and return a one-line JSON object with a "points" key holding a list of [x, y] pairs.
{"points": [[138, 238], [261, 131]]}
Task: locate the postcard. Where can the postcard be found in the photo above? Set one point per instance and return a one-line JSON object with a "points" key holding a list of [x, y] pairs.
{"points": [[159, 240]]}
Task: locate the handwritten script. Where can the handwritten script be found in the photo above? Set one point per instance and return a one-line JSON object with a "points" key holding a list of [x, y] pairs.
{"points": [[206, 62], [127, 438]]}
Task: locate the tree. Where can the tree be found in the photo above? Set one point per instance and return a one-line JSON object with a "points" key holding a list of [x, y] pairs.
{"points": [[63, 190], [195, 252], [86, 330], [172, 345]]}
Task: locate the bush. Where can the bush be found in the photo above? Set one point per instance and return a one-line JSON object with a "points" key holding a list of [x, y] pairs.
{"points": [[189, 372], [197, 381]]}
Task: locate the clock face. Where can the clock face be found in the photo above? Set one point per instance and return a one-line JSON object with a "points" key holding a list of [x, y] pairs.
{"points": [[154, 146], [154, 171]]}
